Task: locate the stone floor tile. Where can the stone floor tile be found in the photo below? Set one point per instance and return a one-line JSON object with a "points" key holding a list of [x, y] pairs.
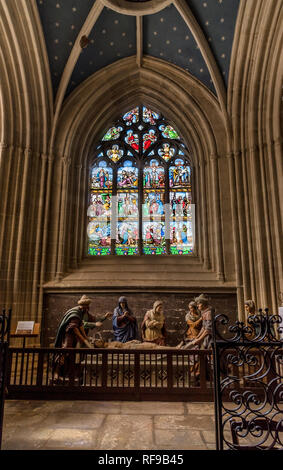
{"points": [[74, 420], [194, 422], [71, 439], [179, 439], [26, 439], [200, 408], [209, 437], [126, 432], [107, 407], [152, 408]]}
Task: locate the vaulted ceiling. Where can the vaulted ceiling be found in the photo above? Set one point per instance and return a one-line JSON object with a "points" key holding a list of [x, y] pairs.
{"points": [[114, 35]]}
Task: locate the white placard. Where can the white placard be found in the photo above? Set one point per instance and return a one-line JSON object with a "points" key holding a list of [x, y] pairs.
{"points": [[25, 327]]}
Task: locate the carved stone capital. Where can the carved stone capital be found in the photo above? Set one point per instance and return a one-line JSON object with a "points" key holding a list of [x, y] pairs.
{"points": [[230, 155], [214, 156], [44, 157], [28, 152], [66, 161], [3, 146]]}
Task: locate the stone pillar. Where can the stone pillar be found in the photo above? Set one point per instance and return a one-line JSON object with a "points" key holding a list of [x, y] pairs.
{"points": [[65, 163], [217, 217]]}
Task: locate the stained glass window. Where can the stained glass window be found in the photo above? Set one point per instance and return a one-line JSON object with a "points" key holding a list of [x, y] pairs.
{"points": [[140, 189]]}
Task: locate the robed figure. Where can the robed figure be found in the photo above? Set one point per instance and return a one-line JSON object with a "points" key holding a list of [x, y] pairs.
{"points": [[124, 323]]}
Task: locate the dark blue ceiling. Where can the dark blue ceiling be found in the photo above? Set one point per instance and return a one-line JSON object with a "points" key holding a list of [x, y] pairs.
{"points": [[112, 38], [165, 35]]}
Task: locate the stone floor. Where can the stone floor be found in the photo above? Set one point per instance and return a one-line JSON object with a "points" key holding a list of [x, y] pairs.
{"points": [[112, 425]]}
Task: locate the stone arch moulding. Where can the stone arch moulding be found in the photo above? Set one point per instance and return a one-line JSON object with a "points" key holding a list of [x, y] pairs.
{"points": [[94, 106]]}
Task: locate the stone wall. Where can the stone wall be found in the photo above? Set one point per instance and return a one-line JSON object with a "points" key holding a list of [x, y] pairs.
{"points": [[176, 306]]}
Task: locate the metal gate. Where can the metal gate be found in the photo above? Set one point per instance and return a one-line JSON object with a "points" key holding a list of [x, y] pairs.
{"points": [[248, 372]]}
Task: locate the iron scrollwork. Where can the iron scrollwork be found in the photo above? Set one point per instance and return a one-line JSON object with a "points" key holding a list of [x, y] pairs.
{"points": [[248, 382]]}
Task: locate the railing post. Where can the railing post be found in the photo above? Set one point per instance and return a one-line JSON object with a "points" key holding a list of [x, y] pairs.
{"points": [[104, 369], [40, 368], [72, 368], [169, 370], [137, 375], [202, 366]]}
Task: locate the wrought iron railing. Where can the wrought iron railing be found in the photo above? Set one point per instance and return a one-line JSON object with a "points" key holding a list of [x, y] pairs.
{"points": [[110, 374], [248, 376]]}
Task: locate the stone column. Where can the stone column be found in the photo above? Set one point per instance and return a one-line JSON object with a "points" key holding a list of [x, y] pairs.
{"points": [[65, 162], [204, 221], [217, 217], [78, 185], [39, 237]]}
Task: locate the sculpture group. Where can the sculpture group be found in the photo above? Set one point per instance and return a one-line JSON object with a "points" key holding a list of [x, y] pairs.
{"points": [[75, 325]]}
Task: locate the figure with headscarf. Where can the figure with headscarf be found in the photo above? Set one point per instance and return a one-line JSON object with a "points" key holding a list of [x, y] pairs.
{"points": [[153, 325], [194, 323], [124, 323]]}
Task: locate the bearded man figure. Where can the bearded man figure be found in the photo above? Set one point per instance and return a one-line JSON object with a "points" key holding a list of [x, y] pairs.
{"points": [[71, 334]]}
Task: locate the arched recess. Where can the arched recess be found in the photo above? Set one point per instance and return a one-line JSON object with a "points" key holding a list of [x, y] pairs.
{"points": [[254, 104], [87, 114], [25, 124]]}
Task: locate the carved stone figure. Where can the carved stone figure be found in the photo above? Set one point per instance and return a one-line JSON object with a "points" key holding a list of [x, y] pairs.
{"points": [[194, 323], [204, 339], [124, 323], [153, 325], [71, 334]]}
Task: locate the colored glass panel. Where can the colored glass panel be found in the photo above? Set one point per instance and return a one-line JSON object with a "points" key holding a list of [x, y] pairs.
{"points": [[148, 139], [100, 205], [115, 153], [127, 238], [132, 139], [179, 174], [169, 132], [153, 205], [131, 117], [181, 238], [154, 175], [150, 116], [101, 177], [113, 133], [128, 204], [166, 152], [180, 203], [127, 176], [99, 238], [154, 238]]}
